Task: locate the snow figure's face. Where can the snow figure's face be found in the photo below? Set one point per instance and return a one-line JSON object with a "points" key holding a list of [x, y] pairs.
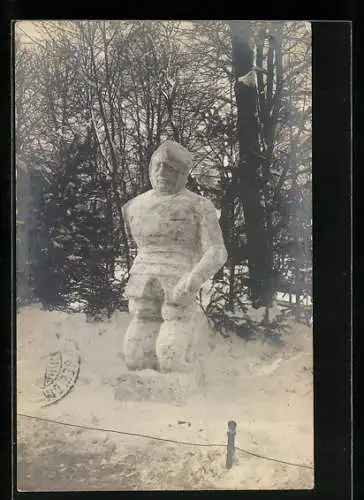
{"points": [[168, 175], [165, 177]]}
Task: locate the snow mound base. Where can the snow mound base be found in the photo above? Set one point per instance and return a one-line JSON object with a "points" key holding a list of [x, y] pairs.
{"points": [[160, 387]]}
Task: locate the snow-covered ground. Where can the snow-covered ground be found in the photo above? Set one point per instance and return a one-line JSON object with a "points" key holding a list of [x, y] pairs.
{"points": [[265, 387]]}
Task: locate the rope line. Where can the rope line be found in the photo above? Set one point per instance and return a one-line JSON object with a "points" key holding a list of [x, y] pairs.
{"points": [[156, 438]]}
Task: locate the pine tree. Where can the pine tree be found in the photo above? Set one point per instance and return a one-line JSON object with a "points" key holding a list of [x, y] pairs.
{"points": [[78, 230]]}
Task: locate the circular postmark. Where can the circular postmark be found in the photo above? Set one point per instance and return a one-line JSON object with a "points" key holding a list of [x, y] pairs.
{"points": [[61, 372]]}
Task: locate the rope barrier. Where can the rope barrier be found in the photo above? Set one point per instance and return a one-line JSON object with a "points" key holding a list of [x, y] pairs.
{"points": [[156, 438]]}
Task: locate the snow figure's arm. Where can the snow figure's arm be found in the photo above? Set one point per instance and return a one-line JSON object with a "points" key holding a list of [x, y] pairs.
{"points": [[214, 254]]}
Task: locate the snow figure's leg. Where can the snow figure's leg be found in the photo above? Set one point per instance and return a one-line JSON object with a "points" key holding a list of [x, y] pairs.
{"points": [[141, 335], [175, 337]]}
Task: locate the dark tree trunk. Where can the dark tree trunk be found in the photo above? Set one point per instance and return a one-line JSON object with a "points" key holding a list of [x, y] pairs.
{"points": [[250, 183]]}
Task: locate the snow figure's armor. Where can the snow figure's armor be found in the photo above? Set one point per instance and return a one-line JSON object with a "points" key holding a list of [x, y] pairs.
{"points": [[180, 246]]}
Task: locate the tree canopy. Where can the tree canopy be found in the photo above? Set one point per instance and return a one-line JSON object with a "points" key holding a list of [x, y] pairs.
{"points": [[93, 99]]}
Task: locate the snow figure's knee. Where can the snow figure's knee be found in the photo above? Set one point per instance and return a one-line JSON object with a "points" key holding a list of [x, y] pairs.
{"points": [[141, 335], [139, 344], [173, 344]]}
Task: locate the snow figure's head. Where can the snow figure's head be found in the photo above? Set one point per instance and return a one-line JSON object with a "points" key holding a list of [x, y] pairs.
{"points": [[169, 167]]}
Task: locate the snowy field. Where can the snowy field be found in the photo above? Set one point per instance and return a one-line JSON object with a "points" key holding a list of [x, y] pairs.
{"points": [[265, 386]]}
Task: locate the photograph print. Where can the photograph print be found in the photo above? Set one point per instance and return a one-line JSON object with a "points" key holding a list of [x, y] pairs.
{"points": [[164, 310]]}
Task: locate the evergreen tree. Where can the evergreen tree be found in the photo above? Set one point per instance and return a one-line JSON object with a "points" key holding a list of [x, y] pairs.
{"points": [[77, 262]]}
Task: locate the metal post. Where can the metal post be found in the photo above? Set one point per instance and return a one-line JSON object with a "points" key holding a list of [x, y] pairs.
{"points": [[230, 443]]}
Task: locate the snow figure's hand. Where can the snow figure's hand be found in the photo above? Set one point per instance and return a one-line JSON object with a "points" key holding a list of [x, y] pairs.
{"points": [[186, 288]]}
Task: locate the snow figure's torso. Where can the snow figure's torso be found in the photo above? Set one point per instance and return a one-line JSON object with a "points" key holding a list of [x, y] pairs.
{"points": [[166, 232]]}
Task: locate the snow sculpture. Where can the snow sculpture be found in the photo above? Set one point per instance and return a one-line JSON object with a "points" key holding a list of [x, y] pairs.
{"points": [[180, 246]]}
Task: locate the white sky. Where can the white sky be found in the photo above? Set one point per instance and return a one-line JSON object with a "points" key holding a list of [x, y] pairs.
{"points": [[28, 27]]}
